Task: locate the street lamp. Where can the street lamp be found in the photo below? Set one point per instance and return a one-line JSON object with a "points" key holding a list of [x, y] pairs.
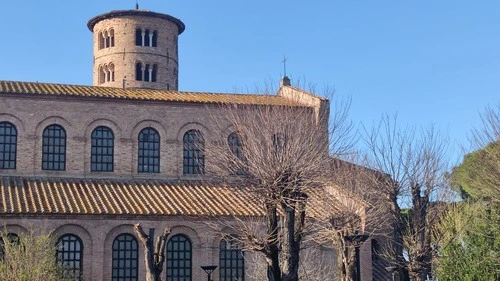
{"points": [[209, 269]]}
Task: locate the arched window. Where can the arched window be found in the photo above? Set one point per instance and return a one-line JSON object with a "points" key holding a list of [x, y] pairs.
{"points": [[147, 72], [155, 39], [236, 148], [102, 150], [111, 72], [231, 262], [148, 158], [179, 258], [153, 74], [193, 153], [138, 37], [112, 37], [100, 39], [125, 258], [12, 238], [102, 75], [54, 148], [138, 71], [147, 38], [107, 41], [69, 255], [8, 145]]}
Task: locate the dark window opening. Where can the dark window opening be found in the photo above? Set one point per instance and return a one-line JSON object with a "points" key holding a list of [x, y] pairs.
{"points": [[153, 74], [125, 262], [149, 151], [138, 71], [231, 262], [147, 73], [138, 37], [102, 150], [147, 39], [54, 148], [155, 38], [8, 145], [70, 255], [193, 153], [179, 258]]}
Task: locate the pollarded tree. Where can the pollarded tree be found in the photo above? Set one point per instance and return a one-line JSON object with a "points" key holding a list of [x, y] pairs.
{"points": [[279, 152], [416, 164]]}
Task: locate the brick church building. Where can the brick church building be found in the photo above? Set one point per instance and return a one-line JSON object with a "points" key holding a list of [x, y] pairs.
{"points": [[88, 162]]}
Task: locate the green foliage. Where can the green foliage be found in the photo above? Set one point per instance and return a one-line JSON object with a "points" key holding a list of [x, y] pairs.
{"points": [[29, 258], [478, 175], [470, 245]]}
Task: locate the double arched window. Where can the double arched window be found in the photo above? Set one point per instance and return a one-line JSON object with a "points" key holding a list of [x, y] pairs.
{"points": [[8, 145], [54, 148], [70, 256], [193, 153], [125, 258], [231, 262], [148, 158], [179, 258], [145, 72], [146, 38], [106, 73], [106, 39], [102, 151]]}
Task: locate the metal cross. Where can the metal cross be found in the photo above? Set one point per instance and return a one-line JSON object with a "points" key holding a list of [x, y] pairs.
{"points": [[284, 65]]}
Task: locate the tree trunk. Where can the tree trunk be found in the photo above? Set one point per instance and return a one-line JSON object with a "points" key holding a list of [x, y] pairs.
{"points": [[272, 249], [153, 257]]}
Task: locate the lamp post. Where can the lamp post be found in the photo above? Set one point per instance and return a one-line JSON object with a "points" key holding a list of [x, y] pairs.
{"points": [[209, 269], [356, 240]]}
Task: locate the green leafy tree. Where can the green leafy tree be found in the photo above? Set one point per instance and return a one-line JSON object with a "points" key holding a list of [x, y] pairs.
{"points": [[28, 257]]}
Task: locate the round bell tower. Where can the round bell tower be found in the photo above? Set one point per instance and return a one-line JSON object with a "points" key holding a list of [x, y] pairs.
{"points": [[136, 49]]}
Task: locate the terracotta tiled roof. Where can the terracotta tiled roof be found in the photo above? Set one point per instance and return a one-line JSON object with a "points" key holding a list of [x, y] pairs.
{"points": [[47, 89], [26, 195]]}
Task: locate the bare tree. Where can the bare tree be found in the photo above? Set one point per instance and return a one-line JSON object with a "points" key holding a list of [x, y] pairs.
{"points": [[416, 164], [281, 153], [154, 255]]}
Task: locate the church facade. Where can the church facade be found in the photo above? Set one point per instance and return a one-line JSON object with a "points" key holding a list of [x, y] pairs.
{"points": [[88, 162]]}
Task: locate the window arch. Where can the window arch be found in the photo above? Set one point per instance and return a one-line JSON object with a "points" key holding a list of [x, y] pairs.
{"points": [[231, 262], [70, 255], [179, 258], [148, 158], [102, 75], [235, 145], [110, 73], [138, 71], [54, 148], [147, 73], [8, 145], [193, 153], [100, 36], [125, 257], [102, 151], [138, 37], [111, 37]]}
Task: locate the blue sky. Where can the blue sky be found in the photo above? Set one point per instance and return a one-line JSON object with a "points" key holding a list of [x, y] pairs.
{"points": [[431, 62]]}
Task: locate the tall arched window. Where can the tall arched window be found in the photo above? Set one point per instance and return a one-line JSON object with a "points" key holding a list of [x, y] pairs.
{"points": [[155, 38], [153, 74], [193, 153], [148, 158], [235, 145], [54, 148], [111, 72], [147, 38], [70, 255], [125, 258], [8, 145], [100, 38], [138, 71], [102, 75], [231, 262], [112, 37], [102, 150], [147, 72], [138, 37], [179, 258]]}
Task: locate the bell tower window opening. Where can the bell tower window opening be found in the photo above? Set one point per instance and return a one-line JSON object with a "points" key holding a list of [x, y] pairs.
{"points": [[147, 73], [147, 38], [155, 39], [138, 71], [153, 74], [111, 38], [100, 38], [138, 37], [102, 75]]}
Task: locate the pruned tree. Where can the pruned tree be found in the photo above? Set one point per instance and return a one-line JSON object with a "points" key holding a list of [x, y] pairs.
{"points": [[278, 152], [154, 254], [416, 163]]}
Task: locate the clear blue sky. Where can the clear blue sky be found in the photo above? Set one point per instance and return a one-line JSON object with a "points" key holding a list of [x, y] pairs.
{"points": [[432, 62]]}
